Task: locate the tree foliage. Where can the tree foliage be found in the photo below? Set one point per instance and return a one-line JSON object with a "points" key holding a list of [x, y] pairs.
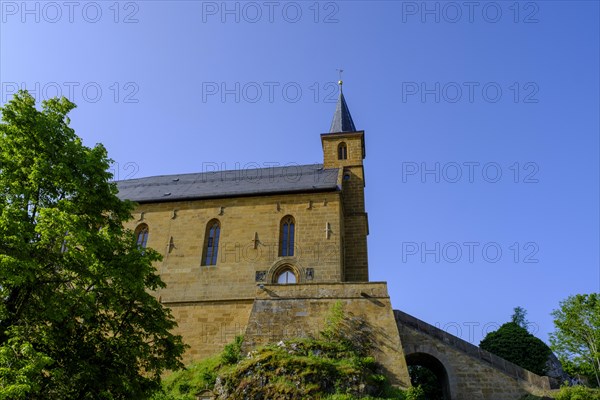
{"points": [[577, 336], [77, 318], [518, 317], [427, 380], [577, 393], [353, 332], [513, 343]]}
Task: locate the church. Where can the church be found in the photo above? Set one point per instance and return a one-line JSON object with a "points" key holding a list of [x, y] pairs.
{"points": [[265, 253]]}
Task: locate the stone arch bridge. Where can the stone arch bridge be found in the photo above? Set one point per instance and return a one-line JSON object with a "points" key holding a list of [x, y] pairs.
{"points": [[465, 371]]}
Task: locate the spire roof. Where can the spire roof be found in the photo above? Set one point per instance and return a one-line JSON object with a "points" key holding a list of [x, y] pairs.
{"points": [[342, 120]]}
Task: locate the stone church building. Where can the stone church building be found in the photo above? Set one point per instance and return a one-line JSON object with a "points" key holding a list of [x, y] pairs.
{"points": [[266, 252]]}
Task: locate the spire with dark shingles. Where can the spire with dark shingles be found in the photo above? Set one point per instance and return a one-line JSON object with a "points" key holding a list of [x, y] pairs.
{"points": [[342, 120]]}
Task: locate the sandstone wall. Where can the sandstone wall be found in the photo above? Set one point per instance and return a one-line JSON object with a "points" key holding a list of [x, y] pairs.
{"points": [[208, 326], [248, 243], [287, 311]]}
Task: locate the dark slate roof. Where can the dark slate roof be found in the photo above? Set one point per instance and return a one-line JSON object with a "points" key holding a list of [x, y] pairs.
{"points": [[233, 183], [342, 120]]}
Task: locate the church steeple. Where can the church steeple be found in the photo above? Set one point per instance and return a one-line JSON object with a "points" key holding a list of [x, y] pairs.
{"points": [[342, 120], [344, 149]]}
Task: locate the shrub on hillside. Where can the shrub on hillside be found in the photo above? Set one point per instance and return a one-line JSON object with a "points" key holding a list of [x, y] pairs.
{"points": [[513, 343], [578, 393]]}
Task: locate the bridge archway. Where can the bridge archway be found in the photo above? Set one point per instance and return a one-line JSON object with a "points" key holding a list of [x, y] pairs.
{"points": [[426, 365]]}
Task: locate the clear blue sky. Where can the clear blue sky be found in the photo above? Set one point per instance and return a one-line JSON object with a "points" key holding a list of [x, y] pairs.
{"points": [[481, 121]]}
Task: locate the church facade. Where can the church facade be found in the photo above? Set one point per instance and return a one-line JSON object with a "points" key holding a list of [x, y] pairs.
{"points": [[265, 253]]}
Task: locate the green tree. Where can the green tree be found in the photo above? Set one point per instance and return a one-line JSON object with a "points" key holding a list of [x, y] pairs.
{"points": [[518, 317], [577, 336], [513, 343], [77, 317]]}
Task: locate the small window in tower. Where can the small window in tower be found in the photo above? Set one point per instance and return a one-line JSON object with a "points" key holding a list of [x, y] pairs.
{"points": [[342, 151], [141, 236], [211, 247]]}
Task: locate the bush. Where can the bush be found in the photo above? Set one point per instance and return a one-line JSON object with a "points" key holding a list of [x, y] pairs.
{"points": [[232, 353], [183, 385], [578, 393], [415, 393], [513, 343], [351, 332]]}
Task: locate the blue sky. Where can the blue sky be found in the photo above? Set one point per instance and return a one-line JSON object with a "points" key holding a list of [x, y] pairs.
{"points": [[481, 123]]}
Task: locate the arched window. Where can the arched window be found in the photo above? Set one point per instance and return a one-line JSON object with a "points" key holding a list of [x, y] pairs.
{"points": [[141, 236], [286, 238], [342, 151], [286, 277], [211, 243]]}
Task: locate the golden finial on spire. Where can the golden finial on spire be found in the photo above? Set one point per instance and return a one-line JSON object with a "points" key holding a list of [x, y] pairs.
{"points": [[340, 82]]}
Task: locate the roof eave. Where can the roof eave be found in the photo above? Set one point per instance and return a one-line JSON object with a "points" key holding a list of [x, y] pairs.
{"points": [[235, 195]]}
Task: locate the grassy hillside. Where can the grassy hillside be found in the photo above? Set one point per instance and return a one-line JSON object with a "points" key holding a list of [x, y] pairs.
{"points": [[337, 365]]}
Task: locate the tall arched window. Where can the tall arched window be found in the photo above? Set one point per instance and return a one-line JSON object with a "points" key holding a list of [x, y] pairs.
{"points": [[342, 151], [141, 236], [211, 243], [286, 238]]}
